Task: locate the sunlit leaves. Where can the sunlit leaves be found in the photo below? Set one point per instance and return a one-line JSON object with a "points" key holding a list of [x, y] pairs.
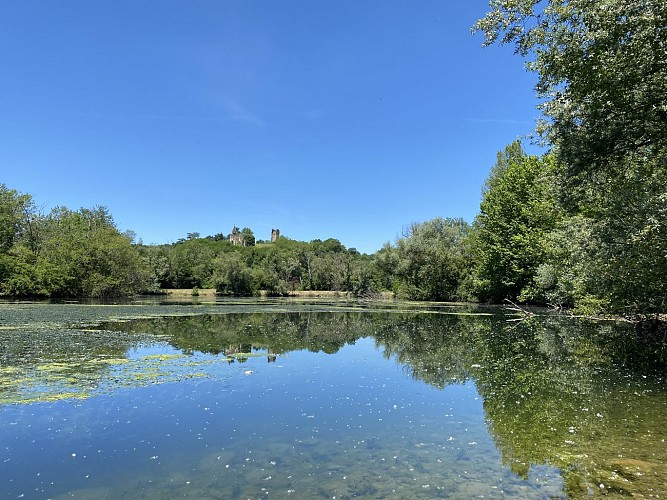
{"points": [[602, 69], [430, 260], [518, 209]]}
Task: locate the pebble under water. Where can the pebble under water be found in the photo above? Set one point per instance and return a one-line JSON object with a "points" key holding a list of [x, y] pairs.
{"points": [[302, 404]]}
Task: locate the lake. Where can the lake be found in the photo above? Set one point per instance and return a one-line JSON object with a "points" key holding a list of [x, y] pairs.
{"points": [[326, 399]]}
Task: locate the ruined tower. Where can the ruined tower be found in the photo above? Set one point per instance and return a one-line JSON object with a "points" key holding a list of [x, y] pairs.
{"points": [[236, 238], [275, 234]]}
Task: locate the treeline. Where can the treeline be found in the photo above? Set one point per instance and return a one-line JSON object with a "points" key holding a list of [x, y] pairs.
{"points": [[83, 254], [586, 224], [243, 270], [526, 244]]}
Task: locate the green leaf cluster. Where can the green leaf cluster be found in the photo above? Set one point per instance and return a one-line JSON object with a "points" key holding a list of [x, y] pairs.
{"points": [[602, 82], [429, 262], [65, 253]]}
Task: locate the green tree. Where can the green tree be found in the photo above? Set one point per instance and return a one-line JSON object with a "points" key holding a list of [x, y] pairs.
{"points": [[567, 277], [384, 265], [432, 259], [602, 75], [248, 237], [518, 210], [83, 254], [232, 276], [17, 212]]}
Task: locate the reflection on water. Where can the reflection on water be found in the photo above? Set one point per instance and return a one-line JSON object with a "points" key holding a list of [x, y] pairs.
{"points": [[300, 402]]}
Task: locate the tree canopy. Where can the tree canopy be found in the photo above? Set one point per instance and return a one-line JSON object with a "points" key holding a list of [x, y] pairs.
{"points": [[65, 253], [602, 69], [518, 209], [602, 81]]}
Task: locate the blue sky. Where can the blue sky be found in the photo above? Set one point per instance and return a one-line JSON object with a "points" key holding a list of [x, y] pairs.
{"points": [[347, 119]]}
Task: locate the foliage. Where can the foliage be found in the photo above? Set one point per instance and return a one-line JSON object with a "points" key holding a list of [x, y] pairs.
{"points": [[429, 262], [233, 277], [66, 253], [562, 278], [83, 254], [16, 216], [248, 236], [602, 75], [518, 210], [276, 268]]}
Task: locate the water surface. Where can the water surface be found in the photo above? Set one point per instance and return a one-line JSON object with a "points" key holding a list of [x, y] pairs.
{"points": [[248, 399]]}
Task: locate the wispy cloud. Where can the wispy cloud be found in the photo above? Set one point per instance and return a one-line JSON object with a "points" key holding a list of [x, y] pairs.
{"points": [[235, 111]]}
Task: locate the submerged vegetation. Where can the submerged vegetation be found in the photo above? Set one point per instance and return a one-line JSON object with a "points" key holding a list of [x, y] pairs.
{"points": [[587, 398]]}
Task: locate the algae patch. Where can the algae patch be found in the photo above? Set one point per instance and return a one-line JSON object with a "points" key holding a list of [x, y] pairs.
{"points": [[83, 378]]}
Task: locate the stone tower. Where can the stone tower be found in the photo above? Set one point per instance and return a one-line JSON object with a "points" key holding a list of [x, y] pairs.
{"points": [[236, 238], [275, 234]]}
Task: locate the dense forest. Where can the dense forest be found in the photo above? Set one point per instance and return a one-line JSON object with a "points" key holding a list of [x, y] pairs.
{"points": [[584, 225]]}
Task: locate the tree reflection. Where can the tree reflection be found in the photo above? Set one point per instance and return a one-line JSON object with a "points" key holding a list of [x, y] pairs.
{"points": [[586, 397]]}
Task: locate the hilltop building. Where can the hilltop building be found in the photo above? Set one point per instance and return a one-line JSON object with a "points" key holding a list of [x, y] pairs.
{"points": [[236, 238]]}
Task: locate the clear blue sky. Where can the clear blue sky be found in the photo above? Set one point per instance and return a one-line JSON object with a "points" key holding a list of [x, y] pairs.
{"points": [[335, 118]]}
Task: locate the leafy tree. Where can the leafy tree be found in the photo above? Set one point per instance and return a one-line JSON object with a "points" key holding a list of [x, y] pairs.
{"points": [[232, 276], [431, 259], [83, 254], [602, 74], [16, 213], [513, 152], [630, 228], [19, 275], [330, 245], [518, 210], [603, 83], [567, 275], [384, 265], [248, 236], [191, 263], [364, 280], [157, 260]]}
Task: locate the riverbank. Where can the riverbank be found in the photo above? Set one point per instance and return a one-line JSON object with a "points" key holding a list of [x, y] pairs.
{"points": [[210, 292]]}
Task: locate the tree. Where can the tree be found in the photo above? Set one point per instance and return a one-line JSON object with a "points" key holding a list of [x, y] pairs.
{"points": [[602, 69], [248, 237], [16, 212], [568, 275], [602, 75], [384, 263], [513, 152], [330, 245], [232, 276], [431, 259], [518, 210], [83, 254]]}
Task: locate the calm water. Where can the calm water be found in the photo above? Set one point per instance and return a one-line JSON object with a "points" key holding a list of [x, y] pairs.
{"points": [[280, 399]]}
